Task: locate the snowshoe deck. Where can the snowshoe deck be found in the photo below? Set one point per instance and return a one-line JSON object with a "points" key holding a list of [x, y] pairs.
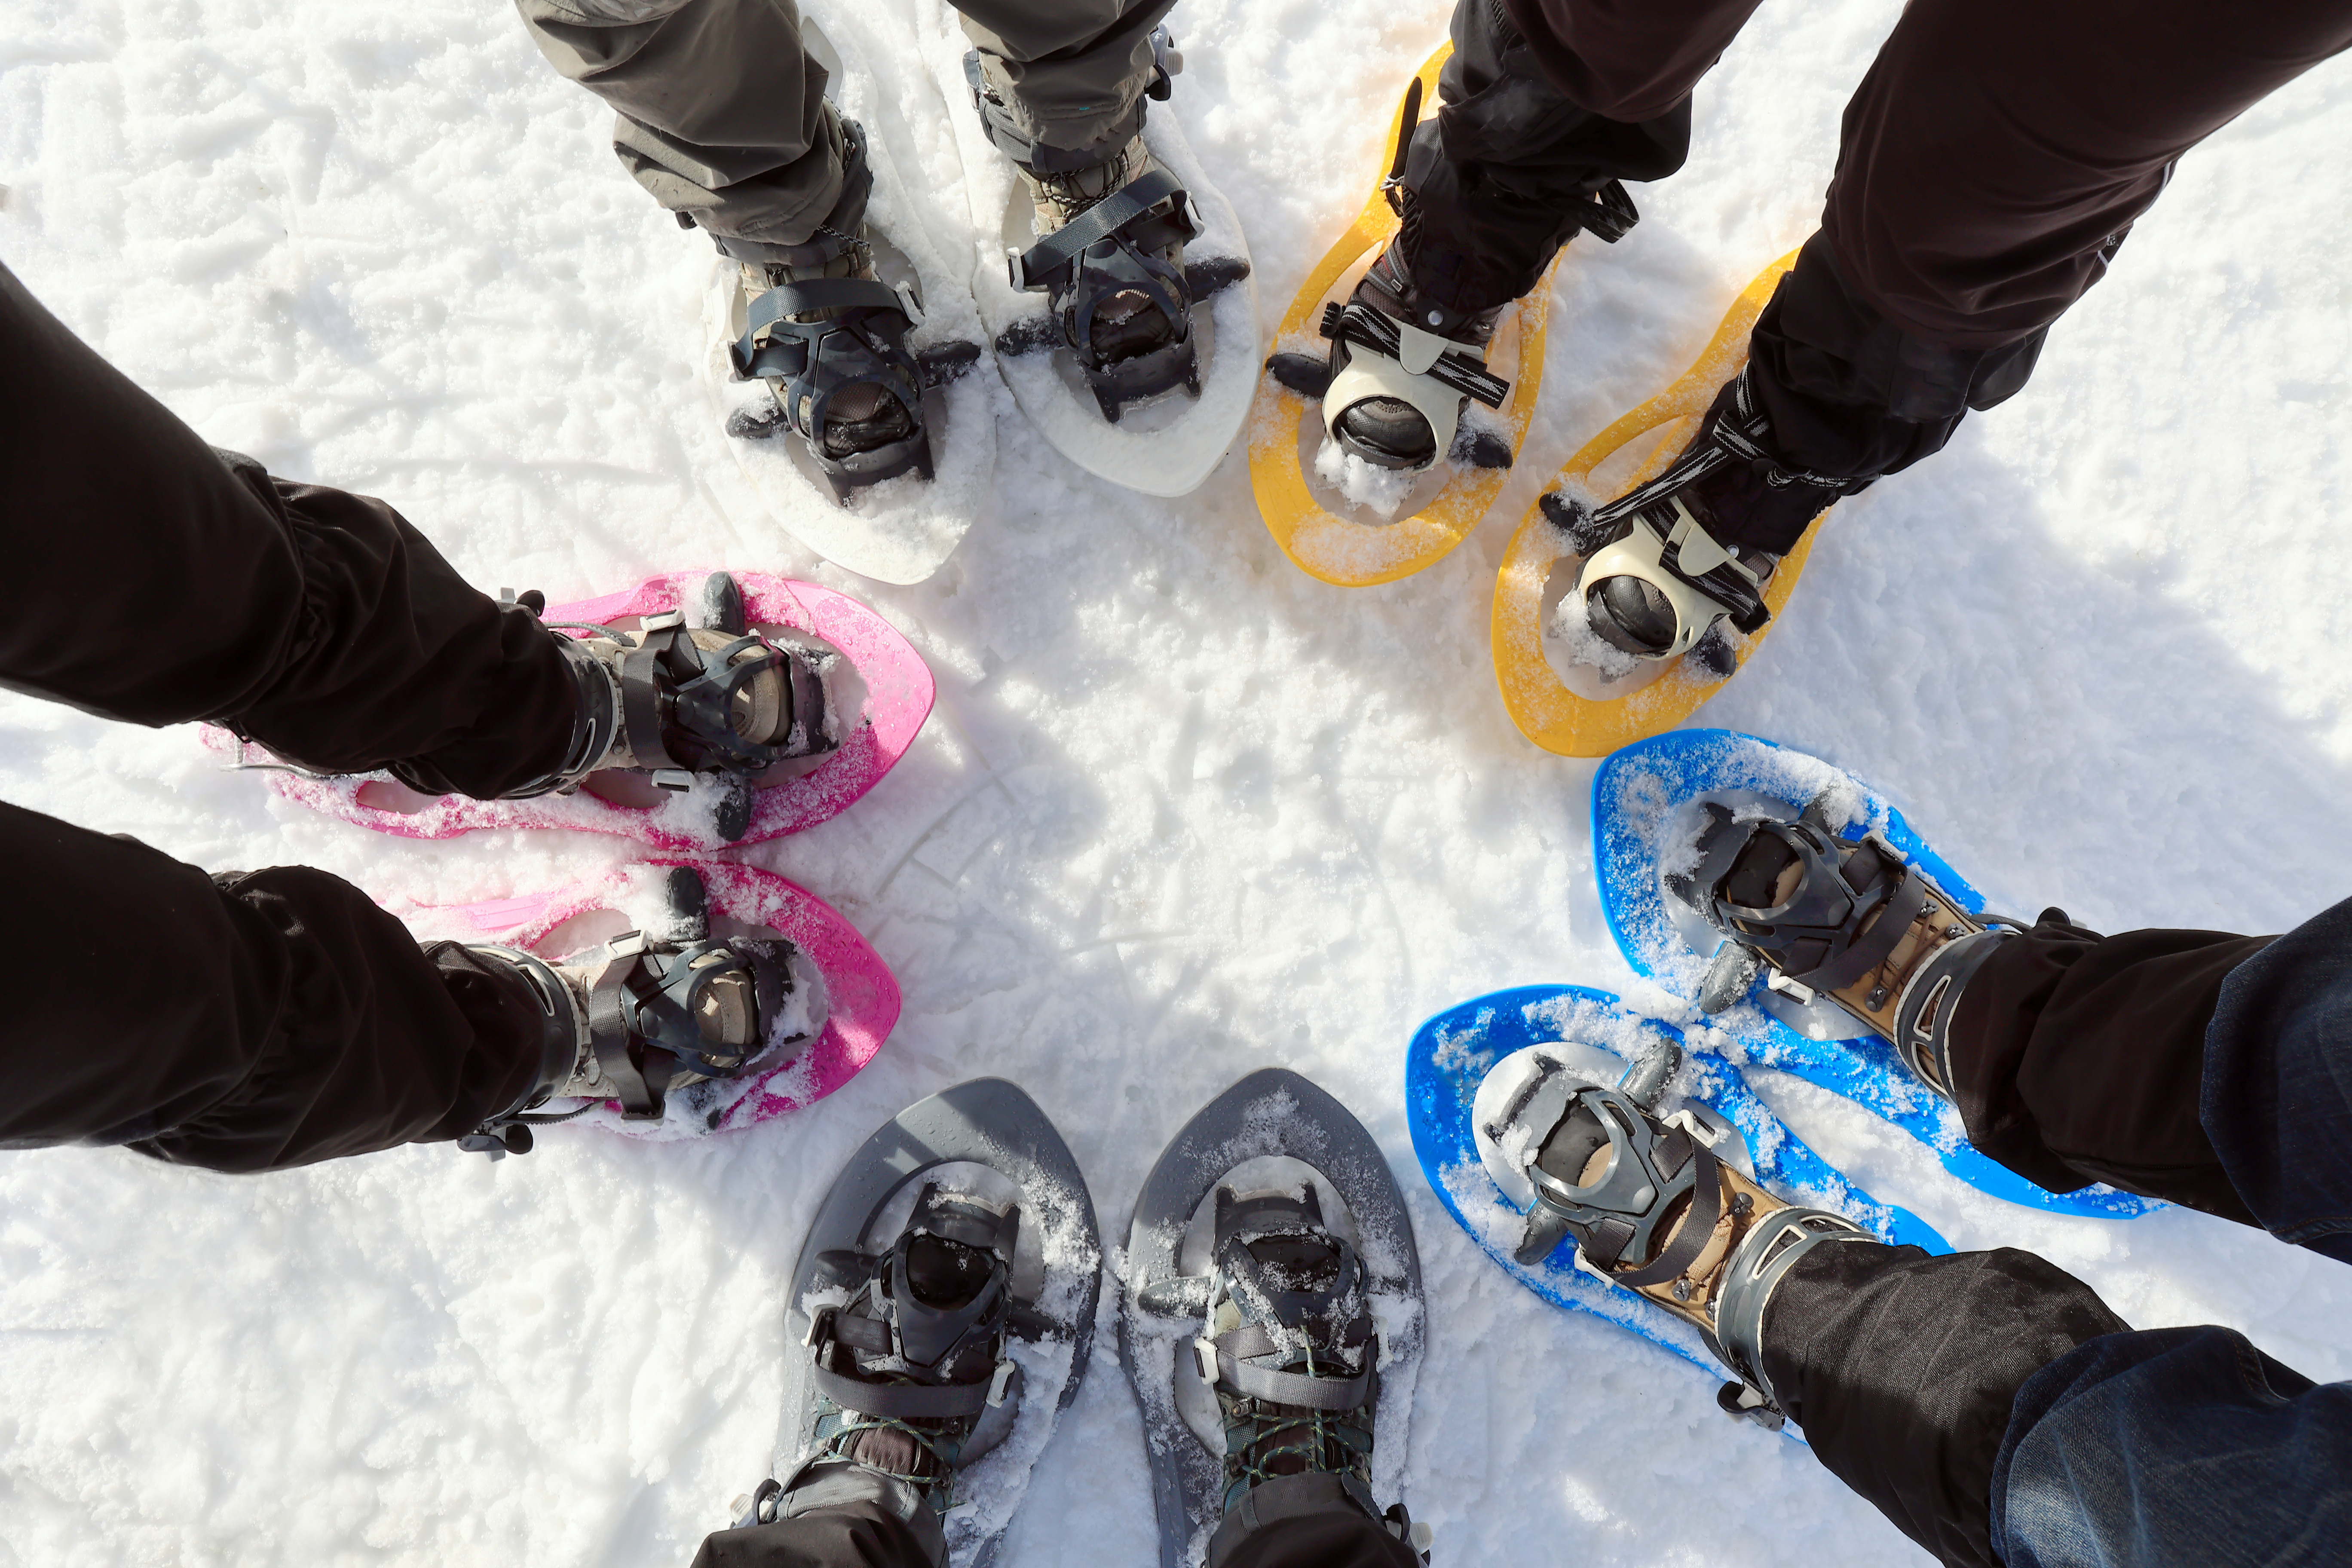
{"points": [[1325, 534], [901, 530], [1272, 1115], [859, 1001], [1165, 447], [898, 697], [1056, 1275], [1642, 794], [1575, 710], [1453, 1053]]}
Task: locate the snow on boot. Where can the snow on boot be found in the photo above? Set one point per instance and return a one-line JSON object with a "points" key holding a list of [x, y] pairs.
{"points": [[1289, 1348], [1657, 575], [912, 1380], [672, 701], [1652, 1207], [943, 1312], [1111, 226], [1847, 921], [829, 338], [647, 1013], [1274, 1319]]}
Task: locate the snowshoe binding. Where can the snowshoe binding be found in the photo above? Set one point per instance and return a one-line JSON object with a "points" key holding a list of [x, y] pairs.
{"points": [[1407, 355], [1653, 1205], [688, 695], [647, 1013], [1252, 1331], [1112, 223], [945, 1298], [828, 336], [1657, 579], [1847, 921]]}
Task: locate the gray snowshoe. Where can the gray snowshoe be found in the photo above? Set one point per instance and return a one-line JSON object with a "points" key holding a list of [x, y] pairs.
{"points": [[1272, 1320], [942, 1310]]}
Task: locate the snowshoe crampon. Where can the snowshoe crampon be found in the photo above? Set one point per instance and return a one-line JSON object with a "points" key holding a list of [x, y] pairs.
{"points": [[1273, 1156], [1567, 690], [1469, 1068], [1158, 423], [818, 1039], [979, 1164], [1324, 532], [1649, 802], [894, 514], [879, 692]]}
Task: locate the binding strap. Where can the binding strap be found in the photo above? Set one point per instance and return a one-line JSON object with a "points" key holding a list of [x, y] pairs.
{"points": [[1367, 327], [1032, 268], [1225, 1361], [786, 356]]}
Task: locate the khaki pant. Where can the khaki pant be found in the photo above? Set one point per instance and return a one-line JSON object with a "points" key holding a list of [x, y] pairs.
{"points": [[722, 113]]}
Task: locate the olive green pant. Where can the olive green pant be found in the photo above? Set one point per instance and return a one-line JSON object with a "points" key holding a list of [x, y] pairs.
{"points": [[722, 110]]}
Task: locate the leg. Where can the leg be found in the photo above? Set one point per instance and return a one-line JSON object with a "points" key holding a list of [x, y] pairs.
{"points": [[250, 1022], [844, 1535], [1060, 88], [1070, 74], [2182, 1444], [318, 623], [1541, 113], [1991, 162], [2204, 1068], [721, 113], [1341, 1536], [1964, 1397], [1997, 1412]]}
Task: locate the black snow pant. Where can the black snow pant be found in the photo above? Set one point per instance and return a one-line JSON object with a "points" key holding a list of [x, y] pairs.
{"points": [[866, 1535], [1988, 1403], [1990, 162], [258, 1020]]}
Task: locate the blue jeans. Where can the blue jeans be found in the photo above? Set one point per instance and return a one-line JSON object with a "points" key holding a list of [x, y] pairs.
{"points": [[2189, 1446]]}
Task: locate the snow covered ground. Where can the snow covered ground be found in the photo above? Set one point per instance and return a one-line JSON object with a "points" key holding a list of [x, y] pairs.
{"points": [[1181, 811]]}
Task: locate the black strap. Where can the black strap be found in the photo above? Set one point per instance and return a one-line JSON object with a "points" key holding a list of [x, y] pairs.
{"points": [[871, 1335], [1370, 329], [1096, 224], [788, 300], [608, 1031], [1870, 949], [901, 1401], [1697, 1228]]}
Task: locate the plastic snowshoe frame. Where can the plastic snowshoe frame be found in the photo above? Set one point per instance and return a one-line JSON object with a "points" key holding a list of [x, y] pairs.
{"points": [[986, 1122], [1247, 1122], [1452, 1052], [1557, 532]]}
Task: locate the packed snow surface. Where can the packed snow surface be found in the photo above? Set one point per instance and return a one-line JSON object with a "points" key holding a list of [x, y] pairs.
{"points": [[1181, 811]]}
